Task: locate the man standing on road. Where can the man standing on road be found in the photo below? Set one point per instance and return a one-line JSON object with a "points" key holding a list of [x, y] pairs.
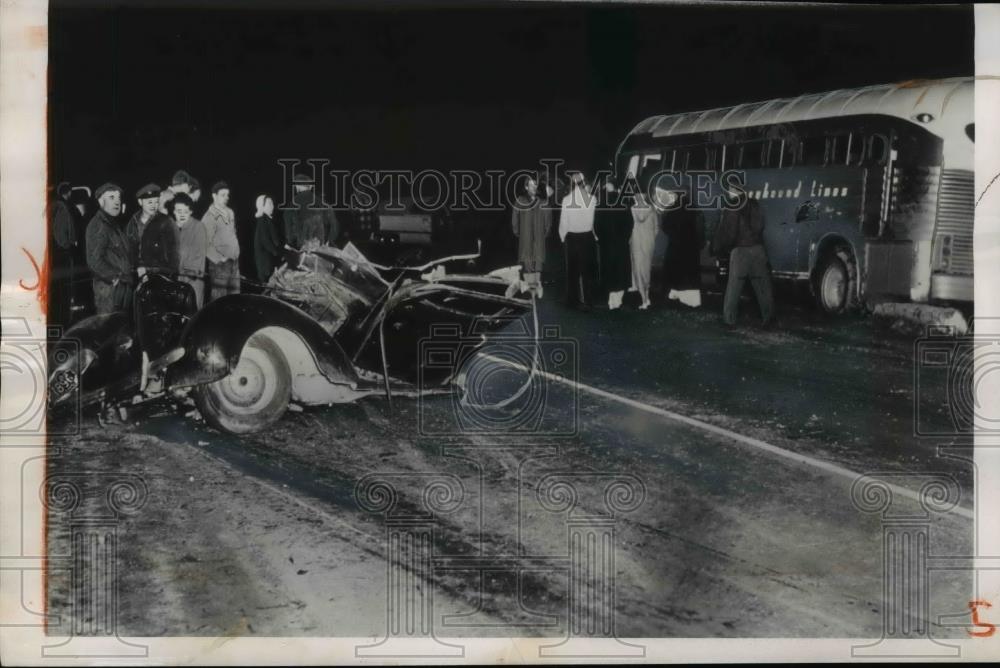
{"points": [[576, 229], [108, 255], [741, 235], [152, 236], [62, 248], [223, 251], [309, 220]]}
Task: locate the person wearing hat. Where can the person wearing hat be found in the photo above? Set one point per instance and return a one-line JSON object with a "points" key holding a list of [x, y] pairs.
{"points": [[223, 251], [152, 236], [311, 219], [108, 254]]}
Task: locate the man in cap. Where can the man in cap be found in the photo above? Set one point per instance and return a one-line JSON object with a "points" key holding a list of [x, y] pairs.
{"points": [[108, 255], [223, 250], [152, 236], [310, 220]]}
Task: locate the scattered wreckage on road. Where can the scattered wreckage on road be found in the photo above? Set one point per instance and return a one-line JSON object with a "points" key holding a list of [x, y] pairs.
{"points": [[332, 329]]}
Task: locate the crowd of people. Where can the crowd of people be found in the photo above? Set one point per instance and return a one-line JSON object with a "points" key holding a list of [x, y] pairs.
{"points": [[609, 236], [170, 234]]}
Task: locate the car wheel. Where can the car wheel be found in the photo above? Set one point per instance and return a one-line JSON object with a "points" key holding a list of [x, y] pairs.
{"points": [[836, 282], [254, 395]]}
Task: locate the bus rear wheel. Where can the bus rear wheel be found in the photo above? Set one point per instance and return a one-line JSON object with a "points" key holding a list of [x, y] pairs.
{"points": [[836, 282]]}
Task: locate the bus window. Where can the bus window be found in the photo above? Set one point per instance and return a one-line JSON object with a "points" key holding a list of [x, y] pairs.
{"points": [[788, 153], [698, 158], [837, 149], [813, 150], [752, 154], [878, 149], [855, 148], [651, 159]]}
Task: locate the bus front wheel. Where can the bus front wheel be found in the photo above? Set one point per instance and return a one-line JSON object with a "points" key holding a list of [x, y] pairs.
{"points": [[836, 282]]}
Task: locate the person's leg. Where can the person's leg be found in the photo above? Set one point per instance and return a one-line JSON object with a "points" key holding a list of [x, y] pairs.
{"points": [[734, 286], [587, 265], [102, 298], [234, 277], [762, 286], [572, 271]]}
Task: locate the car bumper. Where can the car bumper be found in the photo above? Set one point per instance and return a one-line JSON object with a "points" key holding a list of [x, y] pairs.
{"points": [[947, 287]]}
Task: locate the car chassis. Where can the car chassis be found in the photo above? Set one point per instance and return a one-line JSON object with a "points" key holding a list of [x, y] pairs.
{"points": [[331, 327]]}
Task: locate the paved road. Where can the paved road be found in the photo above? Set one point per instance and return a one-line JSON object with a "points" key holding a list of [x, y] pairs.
{"points": [[723, 460]]}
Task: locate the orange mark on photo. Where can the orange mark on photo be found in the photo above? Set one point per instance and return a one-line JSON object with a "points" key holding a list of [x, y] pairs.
{"points": [[41, 285], [988, 629]]}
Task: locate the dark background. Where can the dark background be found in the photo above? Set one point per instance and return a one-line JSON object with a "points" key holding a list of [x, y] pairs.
{"points": [[226, 88]]}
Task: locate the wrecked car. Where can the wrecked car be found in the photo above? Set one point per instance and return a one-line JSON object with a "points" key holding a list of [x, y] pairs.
{"points": [[331, 329]]}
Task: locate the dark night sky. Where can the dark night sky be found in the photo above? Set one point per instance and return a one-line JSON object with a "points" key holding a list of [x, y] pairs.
{"points": [[137, 91]]}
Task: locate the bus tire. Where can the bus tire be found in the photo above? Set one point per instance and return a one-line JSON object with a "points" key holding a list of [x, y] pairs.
{"points": [[254, 395], [835, 285]]}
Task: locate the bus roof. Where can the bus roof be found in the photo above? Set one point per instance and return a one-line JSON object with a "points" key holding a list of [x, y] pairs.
{"points": [[947, 101]]}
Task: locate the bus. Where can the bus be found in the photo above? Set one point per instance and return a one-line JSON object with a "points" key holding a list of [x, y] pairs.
{"points": [[867, 193]]}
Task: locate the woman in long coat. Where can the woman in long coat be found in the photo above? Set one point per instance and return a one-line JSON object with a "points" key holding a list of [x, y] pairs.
{"points": [[531, 222], [267, 243], [643, 240], [682, 261], [613, 227]]}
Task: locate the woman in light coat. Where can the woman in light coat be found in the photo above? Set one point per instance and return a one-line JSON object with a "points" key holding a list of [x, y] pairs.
{"points": [[644, 224]]}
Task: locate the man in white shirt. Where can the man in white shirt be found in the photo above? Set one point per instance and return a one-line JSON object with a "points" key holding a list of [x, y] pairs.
{"points": [[223, 251], [576, 230]]}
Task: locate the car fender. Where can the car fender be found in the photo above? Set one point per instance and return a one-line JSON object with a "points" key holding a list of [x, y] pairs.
{"points": [[215, 337]]}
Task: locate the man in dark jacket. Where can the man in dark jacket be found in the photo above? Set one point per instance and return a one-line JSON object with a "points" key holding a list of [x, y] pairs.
{"points": [[62, 249], [682, 260], [309, 221], [152, 236], [108, 255], [740, 234]]}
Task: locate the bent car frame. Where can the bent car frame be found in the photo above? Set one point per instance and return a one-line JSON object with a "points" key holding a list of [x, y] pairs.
{"points": [[331, 329]]}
